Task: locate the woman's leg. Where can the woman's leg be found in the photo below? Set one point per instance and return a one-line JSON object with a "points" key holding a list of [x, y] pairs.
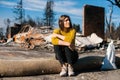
{"points": [[72, 57], [60, 53]]}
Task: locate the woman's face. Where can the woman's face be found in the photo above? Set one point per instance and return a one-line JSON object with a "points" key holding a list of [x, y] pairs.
{"points": [[66, 23]]}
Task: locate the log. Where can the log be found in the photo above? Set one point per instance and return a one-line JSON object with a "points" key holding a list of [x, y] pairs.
{"points": [[30, 67]]}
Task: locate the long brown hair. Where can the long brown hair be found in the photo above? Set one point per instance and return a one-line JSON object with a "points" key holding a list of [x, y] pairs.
{"points": [[61, 23]]}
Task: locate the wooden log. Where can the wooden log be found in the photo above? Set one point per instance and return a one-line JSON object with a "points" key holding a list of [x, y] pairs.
{"points": [[28, 67], [46, 66]]}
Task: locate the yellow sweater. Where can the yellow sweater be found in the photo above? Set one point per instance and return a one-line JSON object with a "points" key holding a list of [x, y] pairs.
{"points": [[69, 36]]}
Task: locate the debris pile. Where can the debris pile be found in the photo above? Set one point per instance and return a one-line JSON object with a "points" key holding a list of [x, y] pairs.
{"points": [[29, 38]]}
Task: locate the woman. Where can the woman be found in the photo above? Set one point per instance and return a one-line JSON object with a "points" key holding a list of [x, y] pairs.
{"points": [[63, 40]]}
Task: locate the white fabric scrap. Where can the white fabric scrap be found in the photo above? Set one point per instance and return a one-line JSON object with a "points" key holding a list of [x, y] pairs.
{"points": [[109, 60]]}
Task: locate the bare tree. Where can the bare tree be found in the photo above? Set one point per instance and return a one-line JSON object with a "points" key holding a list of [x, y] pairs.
{"points": [[115, 2], [31, 21], [39, 22], [8, 29], [49, 14], [1, 33], [77, 27], [109, 22]]}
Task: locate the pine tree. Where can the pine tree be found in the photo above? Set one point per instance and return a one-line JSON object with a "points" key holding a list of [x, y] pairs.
{"points": [[49, 14], [19, 11]]}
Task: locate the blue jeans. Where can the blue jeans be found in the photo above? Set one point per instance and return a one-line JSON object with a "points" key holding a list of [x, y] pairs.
{"points": [[65, 54]]}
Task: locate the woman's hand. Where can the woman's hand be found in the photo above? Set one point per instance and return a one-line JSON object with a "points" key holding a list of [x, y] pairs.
{"points": [[54, 35], [72, 47]]}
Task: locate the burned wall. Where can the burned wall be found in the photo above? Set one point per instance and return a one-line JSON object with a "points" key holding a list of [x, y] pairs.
{"points": [[93, 21], [15, 29]]}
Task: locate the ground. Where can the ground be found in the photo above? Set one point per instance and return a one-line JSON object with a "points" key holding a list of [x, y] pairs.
{"points": [[15, 52]]}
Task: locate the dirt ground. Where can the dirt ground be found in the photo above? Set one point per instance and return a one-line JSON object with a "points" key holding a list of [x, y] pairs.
{"points": [[15, 52]]}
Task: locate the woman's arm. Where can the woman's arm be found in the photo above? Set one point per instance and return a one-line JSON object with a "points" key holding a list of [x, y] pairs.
{"points": [[61, 42], [60, 39], [72, 47], [58, 36]]}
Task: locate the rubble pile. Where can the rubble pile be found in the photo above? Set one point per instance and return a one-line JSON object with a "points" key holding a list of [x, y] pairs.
{"points": [[30, 38]]}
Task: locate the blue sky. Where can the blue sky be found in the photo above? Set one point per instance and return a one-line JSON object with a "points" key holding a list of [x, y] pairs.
{"points": [[73, 8]]}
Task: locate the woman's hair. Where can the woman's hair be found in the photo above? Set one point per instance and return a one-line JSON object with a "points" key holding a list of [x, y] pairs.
{"points": [[61, 22]]}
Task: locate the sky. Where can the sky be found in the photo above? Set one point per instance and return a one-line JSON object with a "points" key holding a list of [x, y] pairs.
{"points": [[73, 8]]}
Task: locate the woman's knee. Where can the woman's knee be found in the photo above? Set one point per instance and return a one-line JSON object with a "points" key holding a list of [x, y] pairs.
{"points": [[56, 47], [67, 48]]}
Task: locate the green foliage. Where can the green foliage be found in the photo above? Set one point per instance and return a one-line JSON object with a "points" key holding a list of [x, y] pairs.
{"points": [[77, 27]]}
